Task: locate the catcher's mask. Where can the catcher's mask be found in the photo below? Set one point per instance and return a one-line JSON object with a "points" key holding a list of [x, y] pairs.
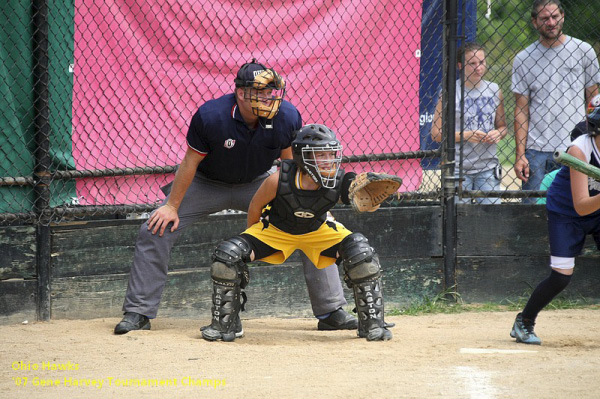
{"points": [[593, 116], [318, 152], [263, 88]]}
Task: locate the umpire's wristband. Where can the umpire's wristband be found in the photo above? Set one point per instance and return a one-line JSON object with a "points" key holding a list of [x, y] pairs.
{"points": [[345, 187]]}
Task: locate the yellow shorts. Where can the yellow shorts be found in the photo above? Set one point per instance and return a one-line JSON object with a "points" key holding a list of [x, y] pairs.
{"points": [[312, 244]]}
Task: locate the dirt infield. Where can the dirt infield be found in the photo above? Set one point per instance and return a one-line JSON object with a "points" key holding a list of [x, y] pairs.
{"points": [[467, 355]]}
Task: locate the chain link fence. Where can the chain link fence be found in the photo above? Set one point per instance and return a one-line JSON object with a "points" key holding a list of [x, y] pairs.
{"points": [[545, 78], [97, 96]]}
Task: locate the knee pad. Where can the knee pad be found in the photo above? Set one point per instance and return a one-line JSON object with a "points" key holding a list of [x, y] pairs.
{"points": [[229, 261], [360, 261]]}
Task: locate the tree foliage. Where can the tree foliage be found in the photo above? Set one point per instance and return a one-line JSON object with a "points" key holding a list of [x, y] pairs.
{"points": [[582, 20], [505, 25]]}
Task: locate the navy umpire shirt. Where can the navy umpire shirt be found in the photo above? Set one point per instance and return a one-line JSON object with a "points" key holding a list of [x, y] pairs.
{"points": [[236, 154]]}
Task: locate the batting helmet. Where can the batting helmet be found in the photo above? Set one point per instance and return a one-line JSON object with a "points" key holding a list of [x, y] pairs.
{"points": [[318, 152], [593, 116], [263, 88]]}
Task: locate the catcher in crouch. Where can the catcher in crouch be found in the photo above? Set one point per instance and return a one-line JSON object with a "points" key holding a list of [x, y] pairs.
{"points": [[289, 212]]}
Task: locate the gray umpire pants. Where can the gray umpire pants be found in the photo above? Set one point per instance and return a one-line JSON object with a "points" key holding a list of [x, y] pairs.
{"points": [[148, 274]]}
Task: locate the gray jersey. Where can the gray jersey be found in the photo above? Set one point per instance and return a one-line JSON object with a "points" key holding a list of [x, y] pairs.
{"points": [[480, 107], [554, 79]]}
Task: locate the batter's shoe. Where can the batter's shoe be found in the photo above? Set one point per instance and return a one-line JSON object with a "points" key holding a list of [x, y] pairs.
{"points": [[338, 320], [523, 331], [132, 321], [212, 332]]}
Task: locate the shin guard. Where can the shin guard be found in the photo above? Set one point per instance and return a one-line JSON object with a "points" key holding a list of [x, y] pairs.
{"points": [[363, 275], [369, 307], [225, 323]]}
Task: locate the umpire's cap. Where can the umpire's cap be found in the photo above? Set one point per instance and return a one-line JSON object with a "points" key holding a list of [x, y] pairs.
{"points": [[247, 73]]}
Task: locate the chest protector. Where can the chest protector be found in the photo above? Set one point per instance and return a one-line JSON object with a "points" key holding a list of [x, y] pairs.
{"points": [[297, 211]]}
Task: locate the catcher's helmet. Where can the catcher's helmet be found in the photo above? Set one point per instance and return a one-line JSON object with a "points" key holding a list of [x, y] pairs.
{"points": [[318, 152], [263, 88], [593, 116]]}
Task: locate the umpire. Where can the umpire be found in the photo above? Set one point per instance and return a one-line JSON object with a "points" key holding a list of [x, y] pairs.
{"points": [[232, 143]]}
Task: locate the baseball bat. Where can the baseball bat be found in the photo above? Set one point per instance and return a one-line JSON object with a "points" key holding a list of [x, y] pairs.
{"points": [[577, 164]]}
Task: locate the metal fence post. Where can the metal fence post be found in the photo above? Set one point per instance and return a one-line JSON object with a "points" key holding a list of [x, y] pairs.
{"points": [[42, 157], [448, 156]]}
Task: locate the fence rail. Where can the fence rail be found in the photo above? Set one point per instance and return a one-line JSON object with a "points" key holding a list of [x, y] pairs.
{"points": [[97, 97]]}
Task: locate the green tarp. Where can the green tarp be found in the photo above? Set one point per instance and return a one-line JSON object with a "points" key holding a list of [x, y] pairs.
{"points": [[17, 129]]}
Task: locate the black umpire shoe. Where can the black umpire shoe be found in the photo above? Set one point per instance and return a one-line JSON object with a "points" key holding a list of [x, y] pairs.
{"points": [[132, 321], [338, 320]]}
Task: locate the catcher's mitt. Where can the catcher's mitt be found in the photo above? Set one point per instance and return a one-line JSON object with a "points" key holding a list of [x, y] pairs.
{"points": [[369, 189]]}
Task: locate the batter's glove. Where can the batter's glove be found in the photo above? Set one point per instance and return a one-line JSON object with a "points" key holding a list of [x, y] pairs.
{"points": [[268, 79], [369, 189]]}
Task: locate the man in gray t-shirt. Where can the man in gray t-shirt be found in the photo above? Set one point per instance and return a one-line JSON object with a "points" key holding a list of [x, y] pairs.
{"points": [[552, 80]]}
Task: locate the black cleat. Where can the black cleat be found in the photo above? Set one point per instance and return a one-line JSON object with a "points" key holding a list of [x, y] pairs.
{"points": [[213, 333], [132, 321], [338, 320], [376, 334]]}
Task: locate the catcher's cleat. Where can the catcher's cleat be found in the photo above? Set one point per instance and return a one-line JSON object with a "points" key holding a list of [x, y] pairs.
{"points": [[523, 331], [213, 333], [376, 334], [132, 321], [338, 320]]}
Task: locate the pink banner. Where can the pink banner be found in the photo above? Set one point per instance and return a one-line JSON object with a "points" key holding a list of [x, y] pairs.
{"points": [[143, 68]]}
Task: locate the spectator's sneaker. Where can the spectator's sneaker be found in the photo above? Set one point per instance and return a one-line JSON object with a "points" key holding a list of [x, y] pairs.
{"points": [[338, 320], [132, 321], [523, 331], [212, 333]]}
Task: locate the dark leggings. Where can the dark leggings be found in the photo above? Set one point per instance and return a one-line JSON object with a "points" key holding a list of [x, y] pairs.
{"points": [[544, 293]]}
